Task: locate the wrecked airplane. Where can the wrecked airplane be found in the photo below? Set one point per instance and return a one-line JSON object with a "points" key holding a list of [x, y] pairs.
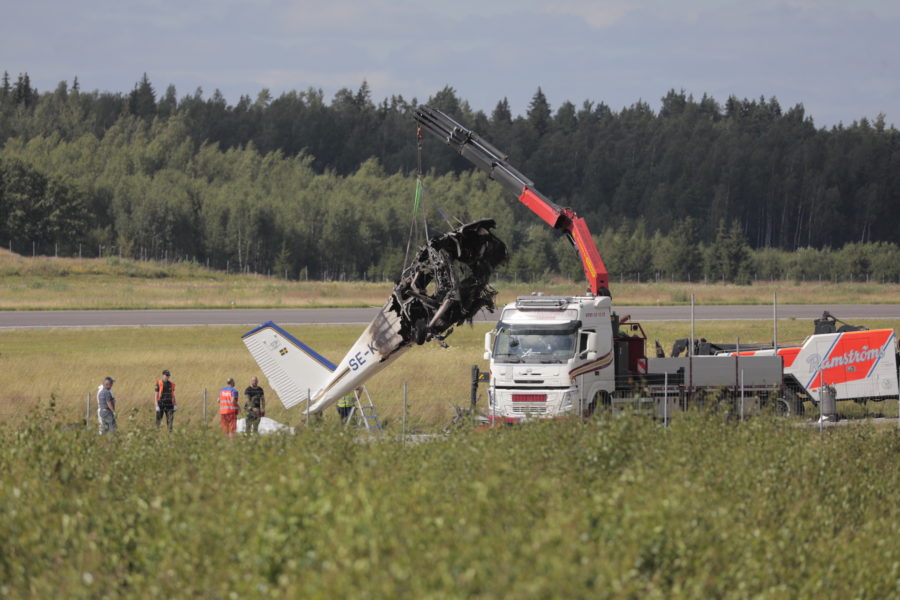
{"points": [[445, 285], [447, 282]]}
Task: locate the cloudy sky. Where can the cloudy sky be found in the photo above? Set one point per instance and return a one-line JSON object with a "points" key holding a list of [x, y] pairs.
{"points": [[840, 59]]}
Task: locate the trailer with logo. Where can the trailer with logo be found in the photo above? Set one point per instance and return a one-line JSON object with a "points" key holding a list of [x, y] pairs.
{"points": [[859, 364]]}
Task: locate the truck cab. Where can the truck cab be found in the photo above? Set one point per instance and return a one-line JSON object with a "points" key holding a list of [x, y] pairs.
{"points": [[550, 356]]}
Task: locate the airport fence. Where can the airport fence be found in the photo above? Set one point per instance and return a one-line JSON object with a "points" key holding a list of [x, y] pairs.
{"points": [[71, 410], [422, 411]]}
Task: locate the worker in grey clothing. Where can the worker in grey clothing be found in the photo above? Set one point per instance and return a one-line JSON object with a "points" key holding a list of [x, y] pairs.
{"points": [[106, 406]]}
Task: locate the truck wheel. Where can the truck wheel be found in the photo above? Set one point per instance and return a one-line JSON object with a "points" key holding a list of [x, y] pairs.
{"points": [[789, 406], [600, 402], [782, 407], [796, 403]]}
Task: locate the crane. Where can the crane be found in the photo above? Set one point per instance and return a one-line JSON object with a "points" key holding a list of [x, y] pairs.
{"points": [[493, 162]]}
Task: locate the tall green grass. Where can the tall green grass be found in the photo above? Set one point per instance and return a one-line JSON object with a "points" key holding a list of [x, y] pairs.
{"points": [[615, 508]]}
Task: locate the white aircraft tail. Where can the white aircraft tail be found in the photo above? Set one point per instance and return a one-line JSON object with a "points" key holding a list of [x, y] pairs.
{"points": [[298, 373], [294, 370]]}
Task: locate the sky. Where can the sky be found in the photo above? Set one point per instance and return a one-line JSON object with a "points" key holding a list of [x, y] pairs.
{"points": [[840, 59]]}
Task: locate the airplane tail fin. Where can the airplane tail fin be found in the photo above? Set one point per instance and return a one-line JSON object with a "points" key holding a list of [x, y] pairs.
{"points": [[294, 370]]}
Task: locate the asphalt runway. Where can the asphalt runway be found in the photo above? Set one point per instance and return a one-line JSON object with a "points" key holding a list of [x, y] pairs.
{"points": [[362, 316]]}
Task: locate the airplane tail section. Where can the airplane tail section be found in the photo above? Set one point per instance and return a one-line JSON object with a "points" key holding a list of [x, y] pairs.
{"points": [[428, 300], [379, 345], [294, 370]]}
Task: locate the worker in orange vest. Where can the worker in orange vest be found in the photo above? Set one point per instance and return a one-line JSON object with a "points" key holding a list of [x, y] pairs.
{"points": [[229, 408], [165, 399]]}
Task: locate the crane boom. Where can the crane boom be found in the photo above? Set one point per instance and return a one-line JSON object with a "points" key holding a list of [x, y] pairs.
{"points": [[493, 162]]}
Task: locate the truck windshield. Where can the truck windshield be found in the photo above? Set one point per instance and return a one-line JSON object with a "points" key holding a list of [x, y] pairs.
{"points": [[517, 344]]}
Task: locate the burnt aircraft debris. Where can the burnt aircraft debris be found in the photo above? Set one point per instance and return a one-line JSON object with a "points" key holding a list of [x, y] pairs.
{"points": [[445, 285], [447, 282]]}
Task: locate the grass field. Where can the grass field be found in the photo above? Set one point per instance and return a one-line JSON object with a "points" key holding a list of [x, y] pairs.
{"points": [[66, 365], [615, 508], [46, 283]]}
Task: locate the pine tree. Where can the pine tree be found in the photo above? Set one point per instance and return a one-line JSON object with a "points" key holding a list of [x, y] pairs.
{"points": [[678, 255], [5, 88], [502, 114], [168, 104], [22, 92], [142, 100], [730, 254], [539, 112], [283, 265]]}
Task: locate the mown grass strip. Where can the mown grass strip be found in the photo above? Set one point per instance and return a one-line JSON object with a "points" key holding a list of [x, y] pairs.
{"points": [[46, 283], [63, 366]]}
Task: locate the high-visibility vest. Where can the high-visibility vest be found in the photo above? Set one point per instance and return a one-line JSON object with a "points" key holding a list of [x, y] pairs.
{"points": [[159, 390], [228, 400], [347, 401]]}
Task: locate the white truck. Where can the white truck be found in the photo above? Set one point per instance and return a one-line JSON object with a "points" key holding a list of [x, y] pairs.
{"points": [[557, 355], [550, 355]]}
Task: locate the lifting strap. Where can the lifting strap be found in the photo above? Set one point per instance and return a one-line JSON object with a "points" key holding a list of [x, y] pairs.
{"points": [[420, 187], [420, 198]]}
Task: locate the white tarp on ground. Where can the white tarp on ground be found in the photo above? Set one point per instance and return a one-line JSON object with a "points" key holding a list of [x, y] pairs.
{"points": [[266, 425]]}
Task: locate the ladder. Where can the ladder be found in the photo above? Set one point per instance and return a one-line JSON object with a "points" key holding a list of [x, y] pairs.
{"points": [[364, 413]]}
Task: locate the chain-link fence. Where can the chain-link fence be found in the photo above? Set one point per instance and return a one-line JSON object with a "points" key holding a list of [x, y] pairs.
{"points": [[422, 411], [80, 409]]}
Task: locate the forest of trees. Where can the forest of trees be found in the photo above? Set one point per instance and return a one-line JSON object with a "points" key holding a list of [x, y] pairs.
{"points": [[304, 187]]}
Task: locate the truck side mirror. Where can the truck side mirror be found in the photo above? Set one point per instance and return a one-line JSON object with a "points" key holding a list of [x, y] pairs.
{"points": [[488, 344]]}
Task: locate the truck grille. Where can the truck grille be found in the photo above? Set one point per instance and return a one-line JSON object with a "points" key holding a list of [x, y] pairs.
{"points": [[529, 397], [531, 409]]}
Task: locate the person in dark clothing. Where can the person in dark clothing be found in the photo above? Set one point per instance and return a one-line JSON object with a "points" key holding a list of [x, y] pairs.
{"points": [[165, 399], [255, 406]]}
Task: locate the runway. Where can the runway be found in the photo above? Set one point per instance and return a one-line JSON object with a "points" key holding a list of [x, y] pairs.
{"points": [[352, 316]]}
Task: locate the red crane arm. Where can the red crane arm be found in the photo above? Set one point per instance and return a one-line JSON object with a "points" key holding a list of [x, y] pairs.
{"points": [[490, 160], [578, 233]]}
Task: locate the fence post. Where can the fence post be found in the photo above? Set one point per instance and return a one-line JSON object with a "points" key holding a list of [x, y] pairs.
{"points": [[403, 436], [666, 400], [473, 394], [204, 407], [87, 411]]}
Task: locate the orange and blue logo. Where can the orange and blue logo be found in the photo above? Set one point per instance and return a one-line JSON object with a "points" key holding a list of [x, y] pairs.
{"points": [[852, 356]]}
